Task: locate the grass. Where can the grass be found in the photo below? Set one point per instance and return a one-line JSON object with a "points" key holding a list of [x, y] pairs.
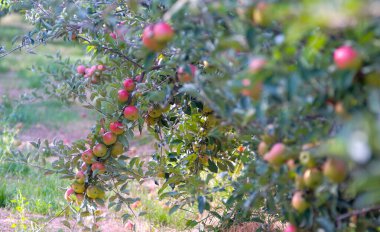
{"points": [[44, 193]]}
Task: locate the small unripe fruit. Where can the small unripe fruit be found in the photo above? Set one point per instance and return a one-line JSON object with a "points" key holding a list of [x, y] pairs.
{"points": [[117, 149], [262, 148], [117, 128], [99, 150], [154, 112], [299, 203], [122, 95], [131, 113], [346, 57], [98, 166], [129, 84], [306, 159], [81, 69], [335, 170], [187, 73], [80, 177], [163, 32], [276, 154], [87, 156], [109, 138], [78, 187], [312, 177]]}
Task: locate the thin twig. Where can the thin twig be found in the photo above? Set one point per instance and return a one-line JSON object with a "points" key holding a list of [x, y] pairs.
{"points": [[53, 218]]}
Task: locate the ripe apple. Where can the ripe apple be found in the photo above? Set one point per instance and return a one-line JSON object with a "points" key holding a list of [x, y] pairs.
{"points": [[290, 228], [129, 84], [109, 138], [101, 67], [78, 187], [154, 112], [99, 150], [307, 159], [122, 95], [98, 166], [262, 148], [117, 128], [346, 57], [312, 177], [80, 177], [131, 113], [94, 192], [299, 203], [68, 194], [335, 170], [186, 73], [81, 69], [163, 32], [87, 156], [117, 149], [256, 65], [276, 154], [149, 41]]}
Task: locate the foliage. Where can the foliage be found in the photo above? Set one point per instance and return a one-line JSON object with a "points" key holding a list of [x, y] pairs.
{"points": [[237, 77]]}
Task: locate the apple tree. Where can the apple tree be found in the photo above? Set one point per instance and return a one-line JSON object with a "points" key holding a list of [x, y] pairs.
{"points": [[260, 109]]}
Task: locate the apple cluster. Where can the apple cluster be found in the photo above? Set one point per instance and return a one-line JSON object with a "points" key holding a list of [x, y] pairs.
{"points": [[94, 72]]}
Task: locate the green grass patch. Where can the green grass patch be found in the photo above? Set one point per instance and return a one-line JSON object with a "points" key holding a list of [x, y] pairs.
{"points": [[50, 113], [43, 193]]}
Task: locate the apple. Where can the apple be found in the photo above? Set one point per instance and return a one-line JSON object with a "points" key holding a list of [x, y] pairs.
{"points": [[87, 156], [68, 194], [129, 84], [83, 167], [117, 128], [335, 170], [99, 150], [154, 112], [139, 78], [186, 73], [163, 32], [131, 113], [136, 204], [276, 154], [113, 35], [81, 69], [256, 65], [101, 67], [299, 183], [117, 149], [252, 90], [290, 228], [299, 203], [109, 138], [240, 149], [78, 187], [306, 159], [129, 226], [94, 192], [291, 164], [98, 166], [79, 198], [262, 148], [312, 177], [149, 40], [122, 95], [80, 177], [346, 57]]}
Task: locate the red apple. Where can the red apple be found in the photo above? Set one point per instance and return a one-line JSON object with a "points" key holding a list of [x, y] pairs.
{"points": [[117, 149], [98, 166], [312, 177], [131, 113], [87, 156], [81, 69], [117, 128], [335, 170], [80, 177], [290, 228], [186, 73], [109, 138], [149, 41], [276, 154], [299, 203], [101, 67], [68, 194], [129, 84], [122, 95], [163, 32], [99, 150], [256, 65], [346, 57]]}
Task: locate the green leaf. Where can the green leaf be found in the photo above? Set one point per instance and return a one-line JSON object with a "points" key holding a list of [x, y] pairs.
{"points": [[201, 204], [212, 166]]}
